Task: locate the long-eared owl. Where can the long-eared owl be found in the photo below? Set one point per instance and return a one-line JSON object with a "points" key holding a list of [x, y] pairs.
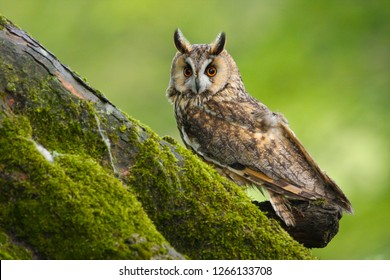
{"points": [[241, 137]]}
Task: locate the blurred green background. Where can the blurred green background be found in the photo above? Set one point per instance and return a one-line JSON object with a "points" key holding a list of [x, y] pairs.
{"points": [[324, 64]]}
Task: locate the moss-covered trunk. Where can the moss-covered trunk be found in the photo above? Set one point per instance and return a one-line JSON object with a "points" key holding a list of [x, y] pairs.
{"points": [[81, 180]]}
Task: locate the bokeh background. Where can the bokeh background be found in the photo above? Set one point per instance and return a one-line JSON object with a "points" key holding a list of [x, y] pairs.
{"points": [[324, 64]]}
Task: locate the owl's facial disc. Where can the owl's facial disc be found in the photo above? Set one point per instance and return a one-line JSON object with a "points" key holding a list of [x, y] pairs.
{"points": [[199, 81]]}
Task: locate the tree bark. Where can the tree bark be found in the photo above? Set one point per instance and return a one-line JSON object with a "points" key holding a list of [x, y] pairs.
{"points": [[316, 224], [80, 179]]}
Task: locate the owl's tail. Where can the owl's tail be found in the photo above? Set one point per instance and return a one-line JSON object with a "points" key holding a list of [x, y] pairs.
{"points": [[281, 207]]}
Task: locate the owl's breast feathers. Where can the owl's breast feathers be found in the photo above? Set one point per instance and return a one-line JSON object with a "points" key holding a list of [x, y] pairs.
{"points": [[250, 144]]}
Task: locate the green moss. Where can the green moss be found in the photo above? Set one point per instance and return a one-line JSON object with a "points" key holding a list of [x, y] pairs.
{"points": [[213, 218], [49, 108], [123, 128], [84, 79], [11, 87], [19, 126], [12, 251], [72, 208], [70, 124], [3, 22], [170, 140]]}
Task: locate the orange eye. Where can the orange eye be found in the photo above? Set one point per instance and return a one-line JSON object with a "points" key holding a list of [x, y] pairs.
{"points": [[187, 71], [211, 71]]}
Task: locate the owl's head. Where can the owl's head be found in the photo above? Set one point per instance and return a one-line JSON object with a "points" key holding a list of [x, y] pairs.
{"points": [[200, 69]]}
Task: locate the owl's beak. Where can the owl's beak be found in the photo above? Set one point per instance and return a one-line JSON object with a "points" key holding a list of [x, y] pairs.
{"points": [[197, 84]]}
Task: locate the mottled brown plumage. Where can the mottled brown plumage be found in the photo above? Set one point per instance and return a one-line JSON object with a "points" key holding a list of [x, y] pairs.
{"points": [[240, 136]]}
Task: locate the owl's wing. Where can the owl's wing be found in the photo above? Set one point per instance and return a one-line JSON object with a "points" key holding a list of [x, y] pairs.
{"points": [[285, 167], [267, 152], [328, 189], [251, 144]]}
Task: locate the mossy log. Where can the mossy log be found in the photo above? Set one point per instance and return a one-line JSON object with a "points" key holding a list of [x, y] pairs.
{"points": [[79, 179]]}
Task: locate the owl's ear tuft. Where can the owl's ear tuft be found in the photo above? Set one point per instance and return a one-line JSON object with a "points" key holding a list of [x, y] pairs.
{"points": [[219, 44], [181, 43]]}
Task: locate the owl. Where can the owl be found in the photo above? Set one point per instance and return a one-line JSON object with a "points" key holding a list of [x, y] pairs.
{"points": [[243, 139]]}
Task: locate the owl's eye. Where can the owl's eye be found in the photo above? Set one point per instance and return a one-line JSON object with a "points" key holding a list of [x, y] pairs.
{"points": [[187, 71], [211, 71]]}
